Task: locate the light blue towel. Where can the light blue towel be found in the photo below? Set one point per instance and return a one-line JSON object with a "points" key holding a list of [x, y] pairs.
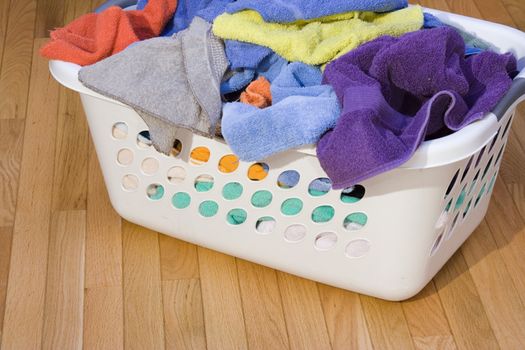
{"points": [[293, 10], [243, 55], [302, 111]]}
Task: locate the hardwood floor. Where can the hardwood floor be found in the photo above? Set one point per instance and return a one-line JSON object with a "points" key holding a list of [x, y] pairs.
{"points": [[73, 274]]}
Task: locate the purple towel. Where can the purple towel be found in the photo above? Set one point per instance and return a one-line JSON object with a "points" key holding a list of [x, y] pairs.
{"points": [[397, 92]]}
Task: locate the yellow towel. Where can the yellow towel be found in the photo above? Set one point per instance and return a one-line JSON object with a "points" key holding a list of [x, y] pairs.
{"points": [[320, 40]]}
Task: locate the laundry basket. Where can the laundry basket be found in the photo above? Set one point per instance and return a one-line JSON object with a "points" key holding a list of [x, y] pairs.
{"points": [[386, 237]]}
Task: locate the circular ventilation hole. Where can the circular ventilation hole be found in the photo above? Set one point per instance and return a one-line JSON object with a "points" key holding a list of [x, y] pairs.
{"points": [[436, 244], [453, 182], [236, 216], [480, 156], [130, 182], [288, 179], [155, 192], [461, 198], [199, 155], [119, 130], [480, 195], [208, 209], [258, 171], [292, 206], [325, 241], [265, 225], [203, 183], [452, 227], [176, 149], [319, 187], [352, 194], [149, 166], [355, 221], [143, 139], [295, 233], [487, 168], [232, 190], [125, 157], [181, 200], [176, 174], [357, 248], [323, 213], [229, 163], [491, 184], [467, 208], [261, 199]]}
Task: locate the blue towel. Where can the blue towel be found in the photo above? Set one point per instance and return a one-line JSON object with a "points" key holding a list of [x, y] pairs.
{"points": [[269, 67], [302, 111], [293, 10], [243, 55], [187, 10]]}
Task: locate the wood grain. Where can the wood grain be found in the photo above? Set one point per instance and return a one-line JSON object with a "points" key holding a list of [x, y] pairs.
{"points": [[183, 314], [6, 236], [27, 274], [221, 299], [65, 281], [143, 320], [178, 259]]}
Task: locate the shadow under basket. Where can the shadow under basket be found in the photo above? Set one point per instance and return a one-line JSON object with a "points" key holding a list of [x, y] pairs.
{"points": [[386, 237]]}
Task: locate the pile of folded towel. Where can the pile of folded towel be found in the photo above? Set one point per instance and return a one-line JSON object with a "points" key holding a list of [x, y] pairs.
{"points": [[365, 80]]}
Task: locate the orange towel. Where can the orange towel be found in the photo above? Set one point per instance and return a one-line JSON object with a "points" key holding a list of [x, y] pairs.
{"points": [[258, 93], [95, 36]]}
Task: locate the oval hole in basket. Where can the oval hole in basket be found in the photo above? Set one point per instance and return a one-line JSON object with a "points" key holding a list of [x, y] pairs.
{"points": [[487, 167], [355, 221], [258, 171], [228, 163], [443, 218], [181, 200], [295, 233], [452, 183], [176, 149], [353, 194], [291, 206], [261, 199], [208, 209], [465, 173], [507, 127], [150, 166], [452, 227], [437, 243], [130, 182], [357, 248], [492, 182], [480, 155], [143, 139], [493, 143], [474, 183], [155, 191], [236, 216], [176, 174], [119, 130], [467, 208], [203, 183], [232, 191], [323, 213], [461, 198], [500, 153], [200, 155], [265, 225], [319, 187], [325, 240], [288, 179], [480, 195], [125, 157]]}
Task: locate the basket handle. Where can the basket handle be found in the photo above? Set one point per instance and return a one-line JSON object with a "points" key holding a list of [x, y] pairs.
{"points": [[120, 3], [515, 95]]}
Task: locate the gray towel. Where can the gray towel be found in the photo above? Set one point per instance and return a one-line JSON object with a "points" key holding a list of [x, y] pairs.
{"points": [[171, 82]]}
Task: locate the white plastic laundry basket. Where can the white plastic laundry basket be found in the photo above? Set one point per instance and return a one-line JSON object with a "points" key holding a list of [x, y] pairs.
{"points": [[393, 235]]}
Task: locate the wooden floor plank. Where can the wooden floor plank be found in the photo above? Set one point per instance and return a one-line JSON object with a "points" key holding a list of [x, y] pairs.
{"points": [[11, 134], [464, 7], [494, 11], [303, 313], [183, 314], [434, 4], [27, 274], [263, 309], [516, 9], [16, 59], [65, 281], [143, 320], [178, 259], [498, 294], [427, 321], [50, 15], [345, 319], [6, 236], [221, 298], [4, 18], [463, 307], [387, 325]]}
